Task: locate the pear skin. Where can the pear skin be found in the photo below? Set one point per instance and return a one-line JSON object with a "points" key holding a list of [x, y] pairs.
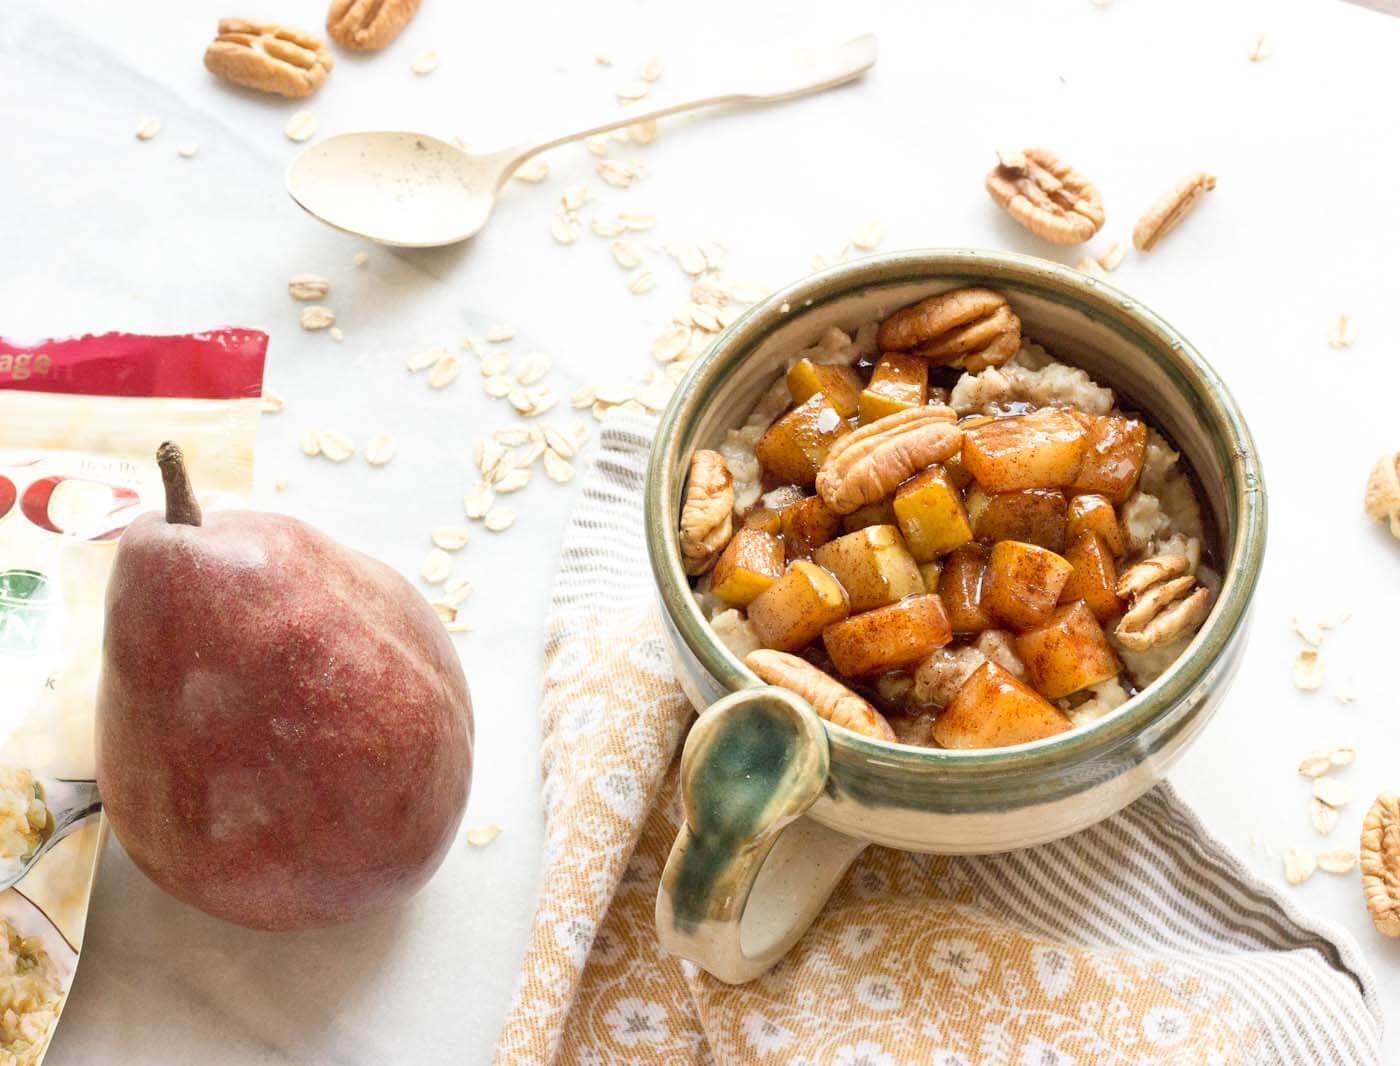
{"points": [[284, 731]]}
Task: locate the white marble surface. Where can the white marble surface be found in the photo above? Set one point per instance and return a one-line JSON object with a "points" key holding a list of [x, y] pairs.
{"points": [[103, 232]]}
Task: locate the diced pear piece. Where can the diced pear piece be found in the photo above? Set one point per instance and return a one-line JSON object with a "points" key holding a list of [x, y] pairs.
{"points": [[807, 525], [873, 566], [1022, 583], [1036, 516], [1040, 450], [750, 563], [993, 709], [1093, 512], [879, 513], [1069, 652], [960, 588], [930, 514], [887, 638], [793, 611], [897, 383], [795, 446], [1094, 576], [1113, 460], [930, 572], [765, 519], [839, 384]]}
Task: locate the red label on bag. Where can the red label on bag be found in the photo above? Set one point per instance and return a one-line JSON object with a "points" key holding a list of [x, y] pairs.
{"points": [[223, 364]]}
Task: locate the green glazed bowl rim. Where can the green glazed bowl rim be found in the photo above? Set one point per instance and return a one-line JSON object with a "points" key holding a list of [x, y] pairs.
{"points": [[1060, 284]]}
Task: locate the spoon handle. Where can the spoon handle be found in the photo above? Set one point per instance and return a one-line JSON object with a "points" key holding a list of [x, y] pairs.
{"points": [[810, 73]]}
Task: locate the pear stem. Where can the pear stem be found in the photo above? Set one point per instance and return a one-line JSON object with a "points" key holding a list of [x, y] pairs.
{"points": [[181, 508]]}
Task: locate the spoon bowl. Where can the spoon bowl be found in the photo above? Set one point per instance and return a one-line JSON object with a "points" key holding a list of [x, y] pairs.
{"points": [[411, 190], [404, 189], [69, 803]]}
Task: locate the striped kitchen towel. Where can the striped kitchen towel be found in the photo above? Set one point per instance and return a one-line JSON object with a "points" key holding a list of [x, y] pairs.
{"points": [[1141, 940]]}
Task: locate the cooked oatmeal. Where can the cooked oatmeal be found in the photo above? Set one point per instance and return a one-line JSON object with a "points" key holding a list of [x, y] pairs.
{"points": [[974, 538], [30, 995], [23, 817]]}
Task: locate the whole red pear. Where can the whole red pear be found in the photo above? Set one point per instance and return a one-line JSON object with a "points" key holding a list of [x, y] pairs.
{"points": [[284, 732]]}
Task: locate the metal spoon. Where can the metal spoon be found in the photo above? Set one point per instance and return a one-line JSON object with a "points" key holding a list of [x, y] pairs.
{"points": [[415, 191], [70, 803]]}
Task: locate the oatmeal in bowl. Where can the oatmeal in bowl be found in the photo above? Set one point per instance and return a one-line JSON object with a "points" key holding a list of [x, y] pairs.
{"points": [[958, 537]]}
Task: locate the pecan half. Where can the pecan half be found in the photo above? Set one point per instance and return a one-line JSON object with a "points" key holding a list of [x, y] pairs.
{"points": [[969, 328], [707, 514], [1046, 195], [869, 464], [268, 57], [368, 25], [1164, 608], [831, 700], [1383, 492], [1171, 207], [1144, 575], [1380, 863]]}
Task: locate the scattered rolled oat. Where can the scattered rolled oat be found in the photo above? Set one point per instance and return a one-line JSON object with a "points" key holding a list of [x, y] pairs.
{"points": [[557, 468], [534, 170], [1307, 670], [1337, 861], [147, 128], [564, 227], [499, 334], [532, 370], [627, 254], [458, 589], [1316, 763], [1332, 791], [444, 371], [582, 397], [426, 63], [868, 236], [478, 499], [436, 567], [690, 258], [634, 220], [643, 132], [451, 538], [640, 282], [575, 196], [498, 386], [651, 69], [478, 836], [379, 449], [495, 362], [1308, 629], [671, 345], [632, 90], [336, 447], [300, 127], [308, 287], [499, 519], [1170, 208], [311, 442], [513, 480], [426, 358], [1298, 865], [271, 402], [1324, 818], [1111, 259], [458, 626], [317, 317], [337, 334], [619, 173], [186, 150], [1342, 333], [359, 259]]}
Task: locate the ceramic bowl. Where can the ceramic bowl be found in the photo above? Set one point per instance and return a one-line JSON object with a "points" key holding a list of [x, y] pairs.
{"points": [[778, 802]]}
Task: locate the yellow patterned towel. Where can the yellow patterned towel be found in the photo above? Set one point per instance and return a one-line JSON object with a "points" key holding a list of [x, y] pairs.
{"points": [[1142, 940]]}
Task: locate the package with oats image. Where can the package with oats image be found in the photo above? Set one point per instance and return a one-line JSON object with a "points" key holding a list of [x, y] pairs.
{"points": [[80, 421]]}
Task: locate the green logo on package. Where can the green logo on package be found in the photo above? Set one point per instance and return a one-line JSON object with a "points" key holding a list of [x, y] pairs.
{"points": [[25, 598]]}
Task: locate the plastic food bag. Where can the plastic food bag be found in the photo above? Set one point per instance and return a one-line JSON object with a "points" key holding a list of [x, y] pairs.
{"points": [[80, 421]]}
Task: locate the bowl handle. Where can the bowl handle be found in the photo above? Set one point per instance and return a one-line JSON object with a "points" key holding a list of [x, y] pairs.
{"points": [[748, 872]]}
